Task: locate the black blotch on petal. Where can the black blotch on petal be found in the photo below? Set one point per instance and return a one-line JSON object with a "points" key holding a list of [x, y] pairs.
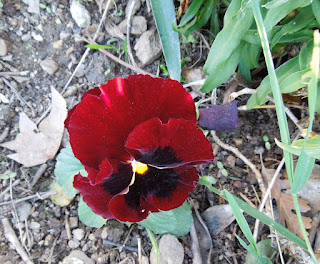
{"points": [[160, 157], [158, 182], [120, 180]]}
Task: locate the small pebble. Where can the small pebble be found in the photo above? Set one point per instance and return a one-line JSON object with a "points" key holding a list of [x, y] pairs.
{"points": [[92, 237], [49, 66], [34, 225], [73, 243], [78, 234], [24, 211], [73, 221], [104, 233], [57, 44], [48, 240], [3, 48], [238, 184], [64, 35], [37, 37], [231, 161]]}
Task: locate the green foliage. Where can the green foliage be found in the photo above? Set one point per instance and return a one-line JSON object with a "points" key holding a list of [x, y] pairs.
{"points": [[264, 247], [198, 14], [88, 217], [164, 15], [67, 167], [257, 214], [116, 46], [292, 75], [45, 7], [176, 222], [8, 176], [243, 224], [224, 55], [239, 34], [312, 147]]}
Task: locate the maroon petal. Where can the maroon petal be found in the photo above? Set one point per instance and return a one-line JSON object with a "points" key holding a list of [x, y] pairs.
{"points": [[99, 176], [123, 212], [188, 178], [100, 125], [94, 196], [178, 138], [94, 91]]}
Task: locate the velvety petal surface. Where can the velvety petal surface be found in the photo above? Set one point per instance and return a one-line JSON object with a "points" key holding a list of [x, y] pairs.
{"points": [[176, 197], [94, 196], [119, 207], [101, 123], [179, 138]]}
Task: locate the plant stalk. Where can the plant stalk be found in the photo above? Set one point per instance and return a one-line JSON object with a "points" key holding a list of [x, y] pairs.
{"points": [[282, 120], [154, 245]]}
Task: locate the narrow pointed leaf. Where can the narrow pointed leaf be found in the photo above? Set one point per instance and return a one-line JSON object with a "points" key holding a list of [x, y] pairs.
{"points": [[164, 15]]}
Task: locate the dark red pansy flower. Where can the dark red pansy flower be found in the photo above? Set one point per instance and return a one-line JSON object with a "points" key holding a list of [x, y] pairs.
{"points": [[138, 140]]}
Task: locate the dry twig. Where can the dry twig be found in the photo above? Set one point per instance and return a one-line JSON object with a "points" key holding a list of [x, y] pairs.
{"points": [[13, 239], [16, 93], [41, 195], [38, 174]]}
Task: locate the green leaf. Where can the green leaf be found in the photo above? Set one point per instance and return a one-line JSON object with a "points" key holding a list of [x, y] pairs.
{"points": [[245, 70], [67, 167], [8, 176], [265, 249], [305, 162], [258, 215], [176, 222], [226, 44], [300, 36], [275, 14], [223, 71], [274, 3], [242, 222], [192, 11], [164, 15], [316, 9], [285, 70], [88, 217], [305, 56], [249, 248], [294, 81], [252, 54], [303, 171], [312, 147], [303, 19], [200, 20]]}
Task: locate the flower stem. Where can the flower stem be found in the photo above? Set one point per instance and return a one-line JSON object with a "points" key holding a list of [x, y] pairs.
{"points": [[154, 245]]}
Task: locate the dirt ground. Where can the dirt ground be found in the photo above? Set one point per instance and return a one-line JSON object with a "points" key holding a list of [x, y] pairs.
{"points": [[31, 39]]}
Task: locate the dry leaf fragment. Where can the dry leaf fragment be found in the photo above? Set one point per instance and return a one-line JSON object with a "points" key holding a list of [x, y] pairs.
{"points": [[290, 219], [35, 146], [285, 203]]}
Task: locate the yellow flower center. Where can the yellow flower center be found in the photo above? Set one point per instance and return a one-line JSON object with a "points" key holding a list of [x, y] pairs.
{"points": [[139, 167]]}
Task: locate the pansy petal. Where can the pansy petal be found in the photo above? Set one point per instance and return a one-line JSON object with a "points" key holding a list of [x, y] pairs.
{"points": [[179, 138], [98, 176], [99, 126], [95, 91], [175, 198], [123, 212], [94, 196]]}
